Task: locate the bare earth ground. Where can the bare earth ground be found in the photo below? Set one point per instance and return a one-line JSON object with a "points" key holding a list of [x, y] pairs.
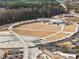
{"points": [[40, 30]]}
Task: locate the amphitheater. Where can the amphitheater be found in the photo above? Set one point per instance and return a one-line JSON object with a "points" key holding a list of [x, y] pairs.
{"points": [[33, 32]]}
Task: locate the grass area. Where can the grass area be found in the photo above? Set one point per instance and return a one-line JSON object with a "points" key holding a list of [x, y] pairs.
{"points": [[76, 49], [25, 3]]}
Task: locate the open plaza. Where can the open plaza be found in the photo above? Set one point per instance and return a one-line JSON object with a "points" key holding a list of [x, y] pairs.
{"points": [[22, 37]]}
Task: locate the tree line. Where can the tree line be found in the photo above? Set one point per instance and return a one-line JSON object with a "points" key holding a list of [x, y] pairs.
{"points": [[31, 12]]}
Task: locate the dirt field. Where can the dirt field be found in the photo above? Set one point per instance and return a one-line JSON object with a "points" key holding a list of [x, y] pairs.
{"points": [[57, 36], [34, 33], [37, 29], [42, 30], [70, 28], [40, 26]]}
